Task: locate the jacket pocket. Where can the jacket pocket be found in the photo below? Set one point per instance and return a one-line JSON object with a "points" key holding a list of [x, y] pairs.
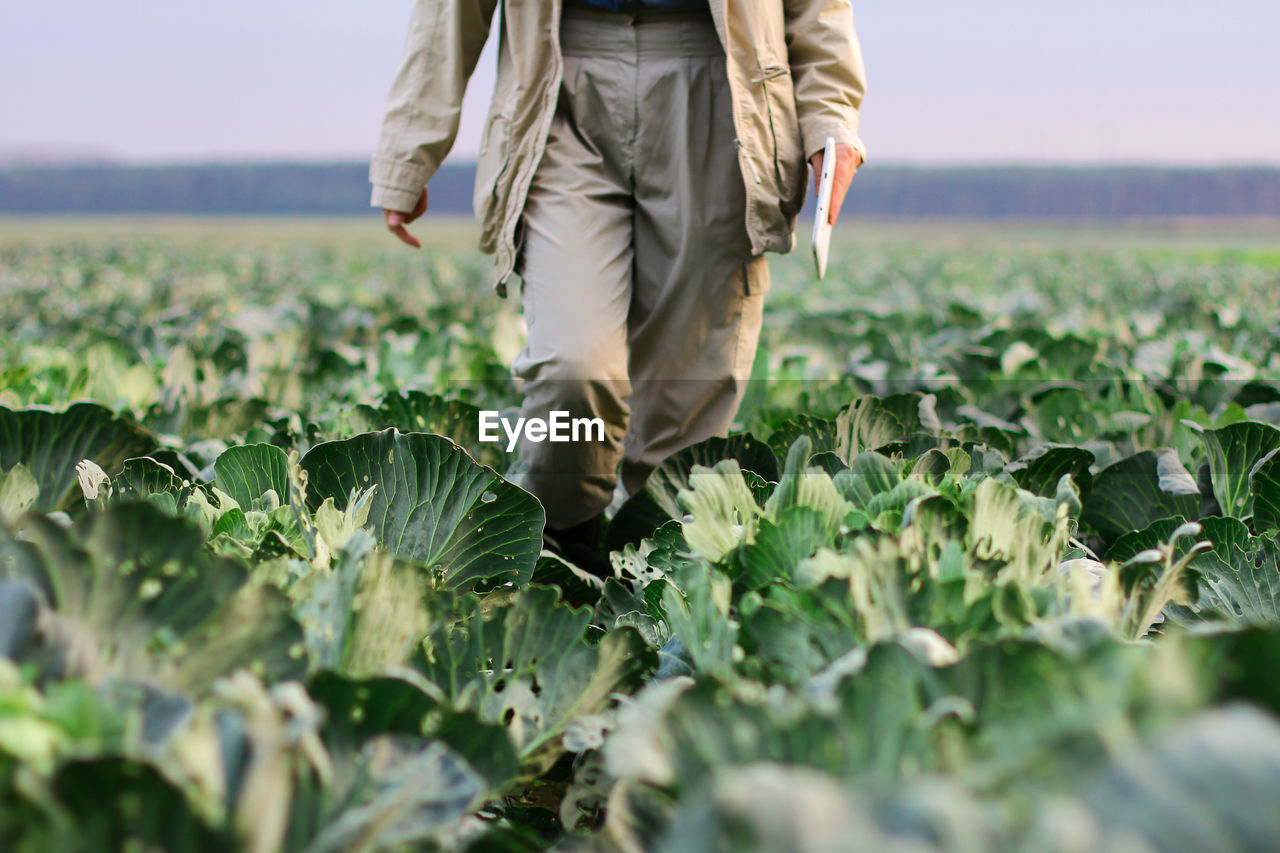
{"points": [[784, 126]]}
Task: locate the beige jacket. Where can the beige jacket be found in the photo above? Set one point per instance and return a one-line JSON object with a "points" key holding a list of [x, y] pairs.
{"points": [[795, 70]]}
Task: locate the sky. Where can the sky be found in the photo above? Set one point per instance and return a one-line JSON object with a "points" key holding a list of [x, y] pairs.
{"points": [[1026, 81]]}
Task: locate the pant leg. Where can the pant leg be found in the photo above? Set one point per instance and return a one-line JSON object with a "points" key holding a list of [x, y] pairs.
{"points": [[697, 303], [576, 264]]}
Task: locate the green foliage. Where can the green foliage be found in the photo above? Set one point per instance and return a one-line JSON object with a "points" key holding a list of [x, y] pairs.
{"points": [[1015, 586], [248, 472], [432, 504], [659, 502], [49, 446], [525, 664]]}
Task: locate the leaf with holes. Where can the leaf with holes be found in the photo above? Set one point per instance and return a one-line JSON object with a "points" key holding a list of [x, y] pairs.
{"points": [[433, 504], [143, 477], [821, 432], [526, 664], [1240, 577]]}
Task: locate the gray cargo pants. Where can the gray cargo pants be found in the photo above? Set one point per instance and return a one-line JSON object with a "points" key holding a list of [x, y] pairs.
{"points": [[641, 296]]}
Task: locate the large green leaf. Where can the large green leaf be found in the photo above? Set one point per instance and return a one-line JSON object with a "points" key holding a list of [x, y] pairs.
{"points": [[433, 504], [1153, 536], [526, 665], [1264, 487], [143, 477], [658, 503], [869, 423], [1233, 452], [133, 591], [51, 444], [1240, 577], [1040, 470], [870, 475], [820, 431], [1134, 492], [780, 545], [247, 471]]}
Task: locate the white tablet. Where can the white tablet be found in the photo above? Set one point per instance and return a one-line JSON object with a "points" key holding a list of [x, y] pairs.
{"points": [[822, 216]]}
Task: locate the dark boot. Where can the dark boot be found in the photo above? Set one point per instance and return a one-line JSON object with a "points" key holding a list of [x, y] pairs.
{"points": [[580, 545]]}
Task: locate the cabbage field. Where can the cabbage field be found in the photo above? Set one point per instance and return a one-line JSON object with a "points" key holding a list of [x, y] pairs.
{"points": [[992, 562]]}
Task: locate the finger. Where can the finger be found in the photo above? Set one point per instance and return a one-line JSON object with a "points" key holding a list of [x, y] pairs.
{"points": [[846, 168], [404, 236], [816, 160], [837, 200]]}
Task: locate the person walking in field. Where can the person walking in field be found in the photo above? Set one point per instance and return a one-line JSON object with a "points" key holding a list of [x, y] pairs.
{"points": [[639, 158]]}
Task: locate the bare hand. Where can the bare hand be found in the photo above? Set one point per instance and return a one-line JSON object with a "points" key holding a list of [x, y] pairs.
{"points": [[847, 162], [396, 221]]}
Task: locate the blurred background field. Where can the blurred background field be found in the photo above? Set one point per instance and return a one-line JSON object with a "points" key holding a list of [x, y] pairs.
{"points": [[263, 259], [1210, 237], [161, 316]]}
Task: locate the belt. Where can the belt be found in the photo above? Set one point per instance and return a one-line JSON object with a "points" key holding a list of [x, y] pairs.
{"points": [[635, 13]]}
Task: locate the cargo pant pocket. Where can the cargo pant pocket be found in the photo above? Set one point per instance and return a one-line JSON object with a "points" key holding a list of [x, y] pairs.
{"points": [[750, 319]]}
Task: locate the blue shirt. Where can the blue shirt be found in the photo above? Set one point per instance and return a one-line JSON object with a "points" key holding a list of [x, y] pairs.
{"points": [[637, 5]]}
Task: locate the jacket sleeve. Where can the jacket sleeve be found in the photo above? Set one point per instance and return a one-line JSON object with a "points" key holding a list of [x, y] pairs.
{"points": [[423, 109], [827, 70]]}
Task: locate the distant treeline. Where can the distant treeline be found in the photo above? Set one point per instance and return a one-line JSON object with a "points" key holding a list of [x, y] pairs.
{"points": [[880, 191]]}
